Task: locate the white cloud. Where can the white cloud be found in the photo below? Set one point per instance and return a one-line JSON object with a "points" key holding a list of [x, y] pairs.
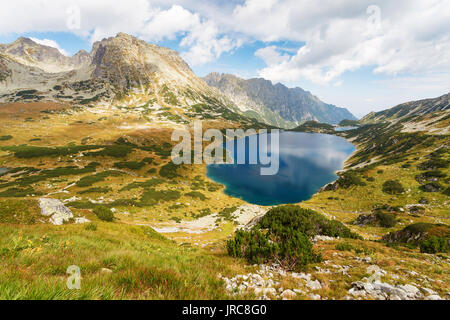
{"points": [[50, 43], [271, 55], [168, 23], [411, 37]]}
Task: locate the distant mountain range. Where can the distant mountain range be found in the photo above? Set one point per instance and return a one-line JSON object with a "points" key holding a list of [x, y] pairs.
{"points": [[126, 68], [276, 104], [410, 110]]}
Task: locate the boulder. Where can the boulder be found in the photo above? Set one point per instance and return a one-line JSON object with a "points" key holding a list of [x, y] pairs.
{"points": [[56, 210]]}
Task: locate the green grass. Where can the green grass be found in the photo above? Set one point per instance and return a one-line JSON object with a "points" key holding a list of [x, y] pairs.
{"points": [[28, 152], [144, 264], [88, 181], [19, 211], [151, 196]]}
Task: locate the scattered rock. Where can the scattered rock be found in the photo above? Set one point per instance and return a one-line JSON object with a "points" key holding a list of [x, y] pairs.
{"points": [[382, 291], [106, 270], [314, 285], [81, 220], [323, 238], [288, 294]]}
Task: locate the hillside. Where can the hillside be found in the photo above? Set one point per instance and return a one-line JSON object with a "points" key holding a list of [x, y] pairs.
{"points": [[423, 115], [276, 104]]}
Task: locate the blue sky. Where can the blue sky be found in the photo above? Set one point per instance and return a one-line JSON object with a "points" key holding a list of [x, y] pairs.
{"points": [[353, 54]]}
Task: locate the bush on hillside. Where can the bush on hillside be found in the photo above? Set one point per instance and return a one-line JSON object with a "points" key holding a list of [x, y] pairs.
{"points": [[393, 187], [349, 179], [132, 165], [104, 213], [386, 220], [283, 236], [435, 245]]}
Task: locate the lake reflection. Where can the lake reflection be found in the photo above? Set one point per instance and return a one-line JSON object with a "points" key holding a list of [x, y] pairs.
{"points": [[307, 162]]}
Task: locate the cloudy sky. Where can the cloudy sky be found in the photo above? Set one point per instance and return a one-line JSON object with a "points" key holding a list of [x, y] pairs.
{"points": [[365, 55]]}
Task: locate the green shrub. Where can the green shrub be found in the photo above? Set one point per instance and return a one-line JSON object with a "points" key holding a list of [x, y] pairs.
{"points": [[447, 192], [169, 171], [344, 246], [96, 190], [283, 234], [5, 138], [88, 181], [419, 227], [432, 187], [132, 165], [293, 251], [196, 195], [386, 220], [227, 213], [148, 160], [306, 221], [349, 179], [146, 184], [434, 164], [19, 192], [435, 245], [393, 187], [104, 213], [28, 152]]}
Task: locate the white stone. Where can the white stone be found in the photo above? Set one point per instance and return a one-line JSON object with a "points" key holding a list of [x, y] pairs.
{"points": [[314, 285], [82, 220], [288, 294]]}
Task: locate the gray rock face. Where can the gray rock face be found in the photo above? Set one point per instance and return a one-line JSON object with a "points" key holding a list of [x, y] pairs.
{"points": [[292, 105]]}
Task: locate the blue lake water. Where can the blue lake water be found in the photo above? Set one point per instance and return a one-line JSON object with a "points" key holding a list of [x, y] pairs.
{"points": [[308, 161], [345, 128]]}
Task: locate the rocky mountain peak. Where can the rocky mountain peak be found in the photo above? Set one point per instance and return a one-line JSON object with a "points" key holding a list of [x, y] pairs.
{"points": [[293, 105], [127, 61]]}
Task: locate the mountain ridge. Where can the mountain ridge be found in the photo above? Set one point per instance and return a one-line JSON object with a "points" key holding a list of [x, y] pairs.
{"points": [[292, 105]]}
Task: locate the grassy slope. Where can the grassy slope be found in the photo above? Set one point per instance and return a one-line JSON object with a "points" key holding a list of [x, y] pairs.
{"points": [[144, 264]]}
